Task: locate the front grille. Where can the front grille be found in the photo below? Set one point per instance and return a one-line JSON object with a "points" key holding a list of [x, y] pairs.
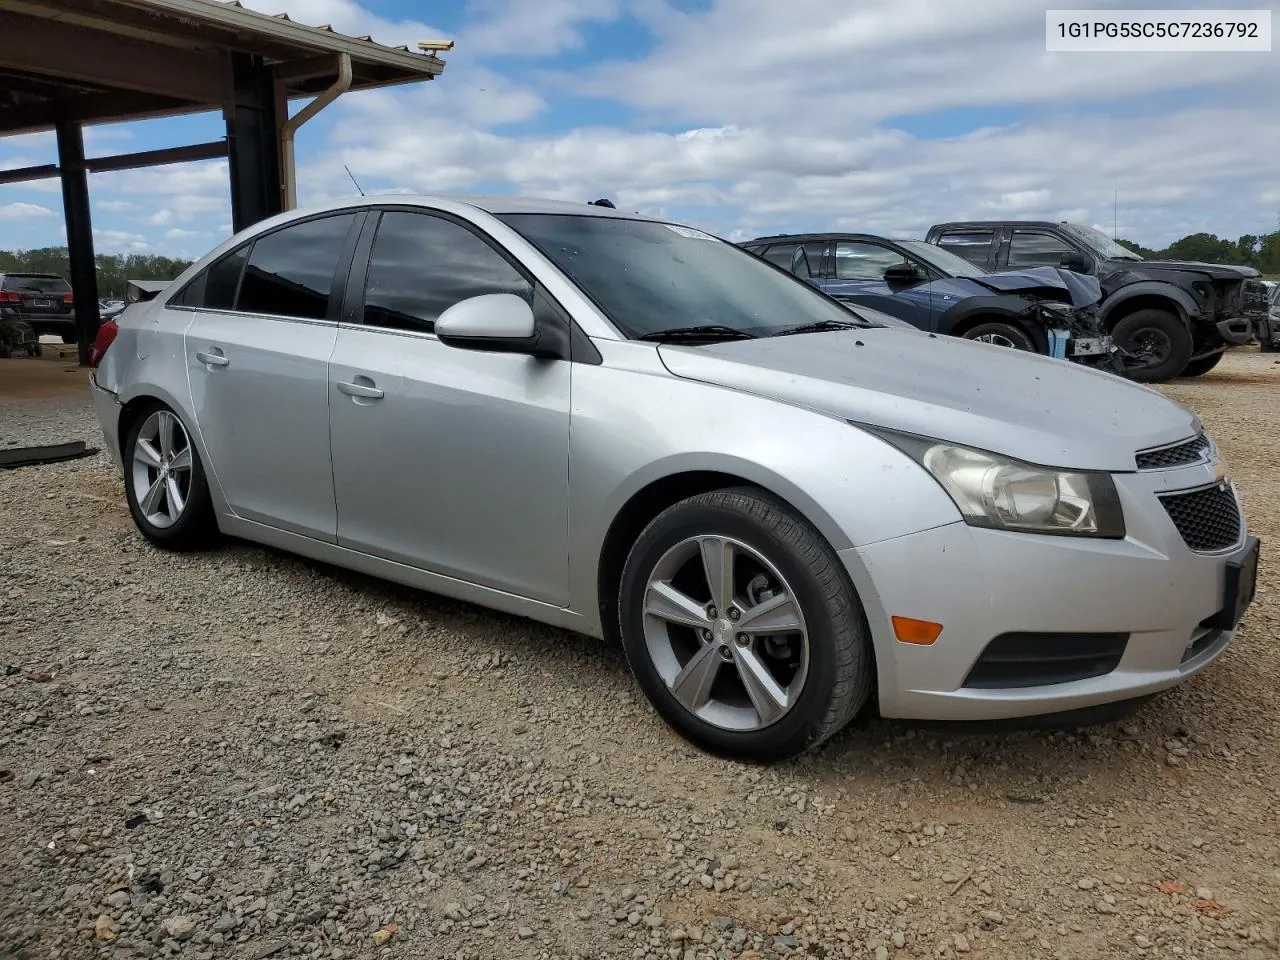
{"points": [[1040, 659], [1208, 519], [1179, 455]]}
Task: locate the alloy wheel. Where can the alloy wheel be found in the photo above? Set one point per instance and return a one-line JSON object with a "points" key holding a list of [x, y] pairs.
{"points": [[1000, 340], [725, 633], [162, 457], [1147, 348]]}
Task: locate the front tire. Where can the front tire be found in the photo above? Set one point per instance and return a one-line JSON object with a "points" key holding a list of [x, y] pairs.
{"points": [[742, 627], [164, 482], [1202, 366], [1002, 335], [1155, 345]]}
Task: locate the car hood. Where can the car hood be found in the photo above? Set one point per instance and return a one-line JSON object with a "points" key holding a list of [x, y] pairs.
{"points": [[1051, 283], [1215, 271], [1038, 409]]}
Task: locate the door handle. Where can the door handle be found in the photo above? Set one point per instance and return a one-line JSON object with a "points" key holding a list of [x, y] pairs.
{"points": [[366, 390], [212, 359]]}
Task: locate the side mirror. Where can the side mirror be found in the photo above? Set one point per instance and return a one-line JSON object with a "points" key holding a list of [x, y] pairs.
{"points": [[1076, 262], [903, 273], [493, 322]]}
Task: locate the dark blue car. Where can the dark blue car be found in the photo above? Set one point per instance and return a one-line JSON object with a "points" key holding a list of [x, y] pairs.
{"points": [[1044, 310]]}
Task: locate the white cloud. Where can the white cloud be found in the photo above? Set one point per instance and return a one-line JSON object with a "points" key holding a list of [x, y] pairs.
{"points": [[531, 29], [757, 179], [24, 211], [120, 241], [350, 18], [113, 206], [178, 233], [809, 62]]}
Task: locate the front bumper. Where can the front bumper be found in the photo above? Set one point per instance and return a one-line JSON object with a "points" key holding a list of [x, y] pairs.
{"points": [[107, 407], [982, 584]]}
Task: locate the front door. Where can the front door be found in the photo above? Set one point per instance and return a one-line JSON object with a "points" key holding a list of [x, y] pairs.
{"points": [[454, 461], [859, 277], [257, 356]]}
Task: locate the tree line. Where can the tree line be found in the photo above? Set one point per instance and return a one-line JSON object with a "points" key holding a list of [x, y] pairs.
{"points": [[1261, 251], [115, 270]]}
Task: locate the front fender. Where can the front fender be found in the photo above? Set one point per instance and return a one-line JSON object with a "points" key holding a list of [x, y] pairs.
{"points": [[1187, 307], [632, 428], [1014, 309]]}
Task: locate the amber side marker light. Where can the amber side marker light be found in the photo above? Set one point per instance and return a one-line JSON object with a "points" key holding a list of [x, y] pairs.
{"points": [[921, 632]]}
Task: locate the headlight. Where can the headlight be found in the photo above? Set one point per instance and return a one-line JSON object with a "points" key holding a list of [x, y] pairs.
{"points": [[1004, 494]]}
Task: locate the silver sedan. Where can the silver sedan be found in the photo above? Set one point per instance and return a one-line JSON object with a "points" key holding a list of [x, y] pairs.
{"points": [[634, 430]]}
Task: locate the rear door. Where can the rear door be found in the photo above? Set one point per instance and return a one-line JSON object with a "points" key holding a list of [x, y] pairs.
{"points": [[258, 352], [804, 259], [859, 267]]}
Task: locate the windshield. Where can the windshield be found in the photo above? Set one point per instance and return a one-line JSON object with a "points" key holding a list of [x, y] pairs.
{"points": [[650, 277], [1100, 243], [943, 260]]}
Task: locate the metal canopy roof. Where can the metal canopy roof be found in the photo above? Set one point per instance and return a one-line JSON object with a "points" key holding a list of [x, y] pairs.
{"points": [[95, 61]]}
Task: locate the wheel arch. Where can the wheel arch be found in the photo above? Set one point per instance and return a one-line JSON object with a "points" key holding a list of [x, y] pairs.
{"points": [[659, 493], [144, 395], [1148, 296], [963, 317]]}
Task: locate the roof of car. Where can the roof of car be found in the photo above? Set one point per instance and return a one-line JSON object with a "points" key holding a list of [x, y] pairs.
{"points": [[952, 224], [489, 204], [803, 237]]}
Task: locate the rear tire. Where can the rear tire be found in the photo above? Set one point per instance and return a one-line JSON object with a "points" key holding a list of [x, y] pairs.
{"points": [[745, 703], [164, 482], [1156, 345], [1202, 366], [1003, 335]]}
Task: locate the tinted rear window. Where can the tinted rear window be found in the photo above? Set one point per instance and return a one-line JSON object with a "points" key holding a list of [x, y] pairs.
{"points": [[35, 284]]}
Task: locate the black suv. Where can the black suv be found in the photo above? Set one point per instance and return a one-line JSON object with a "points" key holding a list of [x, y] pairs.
{"points": [[43, 300], [1169, 318]]}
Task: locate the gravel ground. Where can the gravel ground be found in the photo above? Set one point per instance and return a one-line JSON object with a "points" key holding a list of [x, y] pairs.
{"points": [[241, 754]]}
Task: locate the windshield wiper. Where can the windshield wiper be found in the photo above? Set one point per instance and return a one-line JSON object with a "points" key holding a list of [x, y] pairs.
{"points": [[820, 326], [705, 331]]}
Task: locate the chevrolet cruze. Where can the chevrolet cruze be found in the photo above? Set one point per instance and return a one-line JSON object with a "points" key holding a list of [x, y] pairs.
{"points": [[634, 430]]}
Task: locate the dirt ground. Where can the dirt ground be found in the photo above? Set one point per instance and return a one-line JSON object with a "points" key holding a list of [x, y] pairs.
{"points": [[242, 754]]}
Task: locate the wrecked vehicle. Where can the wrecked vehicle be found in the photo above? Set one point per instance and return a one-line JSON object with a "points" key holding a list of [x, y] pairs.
{"points": [[1046, 310], [1169, 318]]}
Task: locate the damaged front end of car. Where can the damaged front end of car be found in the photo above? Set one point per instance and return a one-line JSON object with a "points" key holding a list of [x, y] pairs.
{"points": [[1064, 308], [1077, 334]]}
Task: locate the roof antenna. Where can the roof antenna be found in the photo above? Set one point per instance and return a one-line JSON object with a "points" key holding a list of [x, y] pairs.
{"points": [[353, 178]]}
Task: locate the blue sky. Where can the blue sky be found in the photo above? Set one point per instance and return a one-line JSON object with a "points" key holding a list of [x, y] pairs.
{"points": [[743, 117]]}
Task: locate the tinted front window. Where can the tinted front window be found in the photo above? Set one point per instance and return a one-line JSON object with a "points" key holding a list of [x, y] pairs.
{"points": [[1036, 250], [421, 265], [944, 261], [290, 272], [865, 261], [974, 245], [648, 277]]}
